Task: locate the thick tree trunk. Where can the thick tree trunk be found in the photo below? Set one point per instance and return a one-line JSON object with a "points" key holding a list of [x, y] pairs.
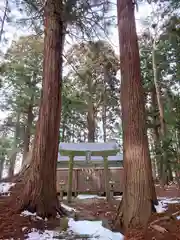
{"points": [[39, 193], [91, 123], [139, 191], [15, 143], [27, 134]]}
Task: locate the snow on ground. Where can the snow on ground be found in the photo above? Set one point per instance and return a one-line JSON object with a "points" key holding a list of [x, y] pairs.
{"points": [[94, 229], [90, 196], [118, 197], [37, 235], [87, 196], [68, 208], [27, 213], [5, 186], [161, 207], [171, 200], [163, 204], [89, 146]]}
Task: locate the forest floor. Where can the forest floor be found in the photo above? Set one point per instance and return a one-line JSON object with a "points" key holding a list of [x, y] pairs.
{"points": [[167, 228], [93, 219]]}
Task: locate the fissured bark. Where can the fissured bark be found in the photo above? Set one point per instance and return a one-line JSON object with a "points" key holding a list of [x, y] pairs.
{"points": [[39, 193], [139, 191]]}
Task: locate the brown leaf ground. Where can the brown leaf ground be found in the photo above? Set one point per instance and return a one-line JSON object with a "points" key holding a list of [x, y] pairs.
{"points": [[12, 225]]}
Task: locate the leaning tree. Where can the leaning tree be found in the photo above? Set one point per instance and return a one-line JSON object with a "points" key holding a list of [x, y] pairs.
{"points": [[39, 180]]}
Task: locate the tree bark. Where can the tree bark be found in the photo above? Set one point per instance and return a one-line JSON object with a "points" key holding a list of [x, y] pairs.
{"points": [[39, 194], [139, 191]]}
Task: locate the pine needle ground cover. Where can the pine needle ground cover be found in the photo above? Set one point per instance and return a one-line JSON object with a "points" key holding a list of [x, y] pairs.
{"points": [[89, 210]]}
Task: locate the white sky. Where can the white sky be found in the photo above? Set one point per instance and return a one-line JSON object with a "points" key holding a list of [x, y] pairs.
{"points": [[143, 12]]}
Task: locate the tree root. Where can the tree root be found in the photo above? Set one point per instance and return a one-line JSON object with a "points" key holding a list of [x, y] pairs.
{"points": [[166, 218], [120, 214], [163, 230], [64, 212], [119, 217], [21, 200], [160, 229]]}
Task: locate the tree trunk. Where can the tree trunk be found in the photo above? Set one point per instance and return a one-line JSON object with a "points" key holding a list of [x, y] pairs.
{"points": [[104, 108], [1, 167], [91, 123], [139, 191], [104, 119], [63, 130], [39, 194], [27, 134], [15, 143], [177, 165], [106, 178], [3, 19], [73, 132], [158, 94], [70, 178], [165, 166], [156, 136]]}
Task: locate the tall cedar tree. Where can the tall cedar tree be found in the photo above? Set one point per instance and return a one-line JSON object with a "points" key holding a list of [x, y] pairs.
{"points": [[139, 192], [39, 193]]}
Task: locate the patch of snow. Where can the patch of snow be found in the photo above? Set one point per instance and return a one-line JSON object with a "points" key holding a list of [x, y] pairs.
{"points": [[5, 186], [87, 196], [161, 207], [118, 157], [169, 199], [91, 196], [118, 197], [88, 146], [68, 208], [37, 235], [94, 229], [27, 213], [172, 201]]}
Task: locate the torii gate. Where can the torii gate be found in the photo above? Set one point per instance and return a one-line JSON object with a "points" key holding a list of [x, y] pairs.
{"points": [[88, 150]]}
